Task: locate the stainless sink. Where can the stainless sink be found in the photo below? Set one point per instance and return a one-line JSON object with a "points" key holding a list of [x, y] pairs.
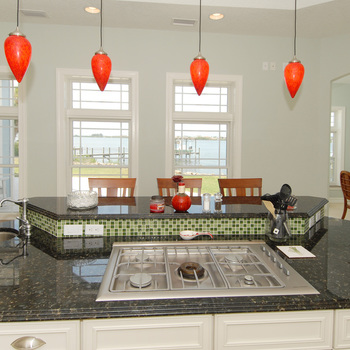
{"points": [[164, 270], [6, 236]]}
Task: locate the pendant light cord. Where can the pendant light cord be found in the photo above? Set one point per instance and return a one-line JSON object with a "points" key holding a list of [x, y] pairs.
{"points": [[101, 25], [200, 24], [295, 28], [17, 13]]}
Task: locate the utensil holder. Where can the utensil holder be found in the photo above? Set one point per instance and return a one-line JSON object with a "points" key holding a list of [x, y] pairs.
{"points": [[277, 228]]}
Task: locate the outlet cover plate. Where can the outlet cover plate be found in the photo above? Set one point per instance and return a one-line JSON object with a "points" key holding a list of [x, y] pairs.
{"points": [[95, 230]]}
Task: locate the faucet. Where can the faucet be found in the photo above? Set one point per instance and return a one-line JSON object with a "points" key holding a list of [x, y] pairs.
{"points": [[24, 227]]}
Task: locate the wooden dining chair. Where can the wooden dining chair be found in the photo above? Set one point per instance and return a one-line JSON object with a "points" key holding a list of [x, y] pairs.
{"points": [[345, 186], [113, 187], [167, 187], [241, 187]]}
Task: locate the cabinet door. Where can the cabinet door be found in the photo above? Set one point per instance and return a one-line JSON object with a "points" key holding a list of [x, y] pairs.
{"points": [[57, 335], [275, 330], [154, 333], [342, 329]]}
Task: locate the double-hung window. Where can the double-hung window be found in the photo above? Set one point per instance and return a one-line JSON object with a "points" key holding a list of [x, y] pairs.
{"points": [[101, 129], [204, 132], [337, 144], [9, 139]]}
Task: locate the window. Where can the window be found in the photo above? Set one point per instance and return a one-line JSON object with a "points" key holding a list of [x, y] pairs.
{"points": [[204, 132], [100, 129], [9, 140], [337, 127]]}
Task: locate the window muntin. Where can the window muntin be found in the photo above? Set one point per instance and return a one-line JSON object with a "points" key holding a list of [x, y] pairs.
{"points": [[87, 95], [8, 93], [100, 149], [213, 99]]}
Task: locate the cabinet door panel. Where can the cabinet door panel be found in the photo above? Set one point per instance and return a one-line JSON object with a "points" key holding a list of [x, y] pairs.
{"points": [[192, 332], [267, 331], [58, 335], [342, 329]]}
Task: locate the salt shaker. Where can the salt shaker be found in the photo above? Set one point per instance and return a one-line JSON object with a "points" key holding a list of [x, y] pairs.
{"points": [[218, 202], [206, 203]]}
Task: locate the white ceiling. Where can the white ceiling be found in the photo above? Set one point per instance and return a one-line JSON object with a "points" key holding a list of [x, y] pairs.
{"points": [[315, 18]]}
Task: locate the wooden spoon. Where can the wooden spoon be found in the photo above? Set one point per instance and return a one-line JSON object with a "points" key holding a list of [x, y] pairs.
{"points": [[269, 206]]}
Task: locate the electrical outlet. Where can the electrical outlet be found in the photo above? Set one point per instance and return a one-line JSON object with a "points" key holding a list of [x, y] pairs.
{"points": [[94, 243], [272, 65], [265, 66], [96, 230], [73, 230]]}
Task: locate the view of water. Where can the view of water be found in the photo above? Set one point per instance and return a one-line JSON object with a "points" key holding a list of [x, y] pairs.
{"points": [[191, 154]]}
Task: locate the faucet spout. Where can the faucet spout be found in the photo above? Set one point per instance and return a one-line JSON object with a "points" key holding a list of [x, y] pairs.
{"points": [[25, 225]]}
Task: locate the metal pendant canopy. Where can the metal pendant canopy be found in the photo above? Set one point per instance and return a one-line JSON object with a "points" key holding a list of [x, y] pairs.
{"points": [[18, 51], [101, 64], [294, 71], [199, 67]]}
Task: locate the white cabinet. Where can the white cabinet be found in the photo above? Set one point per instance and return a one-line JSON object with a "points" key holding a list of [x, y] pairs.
{"points": [[342, 329], [57, 335], [153, 333], [275, 330]]}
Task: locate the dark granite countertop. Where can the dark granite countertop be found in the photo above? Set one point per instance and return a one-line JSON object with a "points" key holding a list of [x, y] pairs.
{"points": [[59, 279], [138, 208]]}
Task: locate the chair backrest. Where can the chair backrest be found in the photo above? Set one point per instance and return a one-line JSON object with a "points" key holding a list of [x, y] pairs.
{"points": [[167, 187], [345, 183], [113, 187], [241, 187]]}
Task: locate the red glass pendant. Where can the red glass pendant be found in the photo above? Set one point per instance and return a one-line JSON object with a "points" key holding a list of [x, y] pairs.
{"points": [[293, 75], [18, 52], [199, 73], [101, 66]]}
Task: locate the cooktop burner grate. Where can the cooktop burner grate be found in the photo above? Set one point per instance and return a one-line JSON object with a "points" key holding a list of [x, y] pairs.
{"points": [[194, 269]]}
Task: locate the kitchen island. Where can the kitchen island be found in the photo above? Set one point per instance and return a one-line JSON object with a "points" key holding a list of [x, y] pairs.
{"points": [[60, 277]]}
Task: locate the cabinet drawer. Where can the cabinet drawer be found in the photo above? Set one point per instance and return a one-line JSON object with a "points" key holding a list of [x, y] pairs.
{"points": [[342, 329], [282, 330], [58, 335], [192, 332]]}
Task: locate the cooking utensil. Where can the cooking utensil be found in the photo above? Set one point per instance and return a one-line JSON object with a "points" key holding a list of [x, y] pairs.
{"points": [[187, 235], [269, 206]]}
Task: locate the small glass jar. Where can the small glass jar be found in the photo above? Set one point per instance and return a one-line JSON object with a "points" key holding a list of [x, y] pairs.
{"points": [[206, 203], [157, 204]]}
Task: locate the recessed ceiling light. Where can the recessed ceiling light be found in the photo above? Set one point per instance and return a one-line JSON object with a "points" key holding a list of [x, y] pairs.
{"points": [[91, 9], [216, 16]]}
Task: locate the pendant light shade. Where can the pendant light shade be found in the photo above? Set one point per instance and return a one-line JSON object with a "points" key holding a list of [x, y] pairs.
{"points": [[199, 67], [101, 64], [293, 75], [199, 73], [294, 71], [18, 51]]}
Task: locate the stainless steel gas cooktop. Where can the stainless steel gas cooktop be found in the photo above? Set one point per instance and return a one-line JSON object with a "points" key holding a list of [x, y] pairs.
{"points": [[197, 269]]}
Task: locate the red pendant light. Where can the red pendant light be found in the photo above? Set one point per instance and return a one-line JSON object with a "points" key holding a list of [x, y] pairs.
{"points": [[101, 64], [294, 71], [199, 67], [18, 51]]}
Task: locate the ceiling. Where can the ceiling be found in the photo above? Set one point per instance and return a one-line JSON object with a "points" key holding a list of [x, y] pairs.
{"points": [[315, 18]]}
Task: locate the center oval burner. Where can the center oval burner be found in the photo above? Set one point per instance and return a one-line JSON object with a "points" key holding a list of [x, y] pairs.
{"points": [[190, 270]]}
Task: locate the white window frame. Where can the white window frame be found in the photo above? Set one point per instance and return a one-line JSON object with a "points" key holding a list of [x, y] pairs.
{"points": [[65, 115], [233, 117], [339, 145], [20, 114]]}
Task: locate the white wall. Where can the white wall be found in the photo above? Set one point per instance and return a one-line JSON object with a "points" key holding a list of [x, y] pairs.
{"points": [[284, 139]]}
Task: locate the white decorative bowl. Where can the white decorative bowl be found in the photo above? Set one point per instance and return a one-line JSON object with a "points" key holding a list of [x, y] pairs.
{"points": [[81, 200]]}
